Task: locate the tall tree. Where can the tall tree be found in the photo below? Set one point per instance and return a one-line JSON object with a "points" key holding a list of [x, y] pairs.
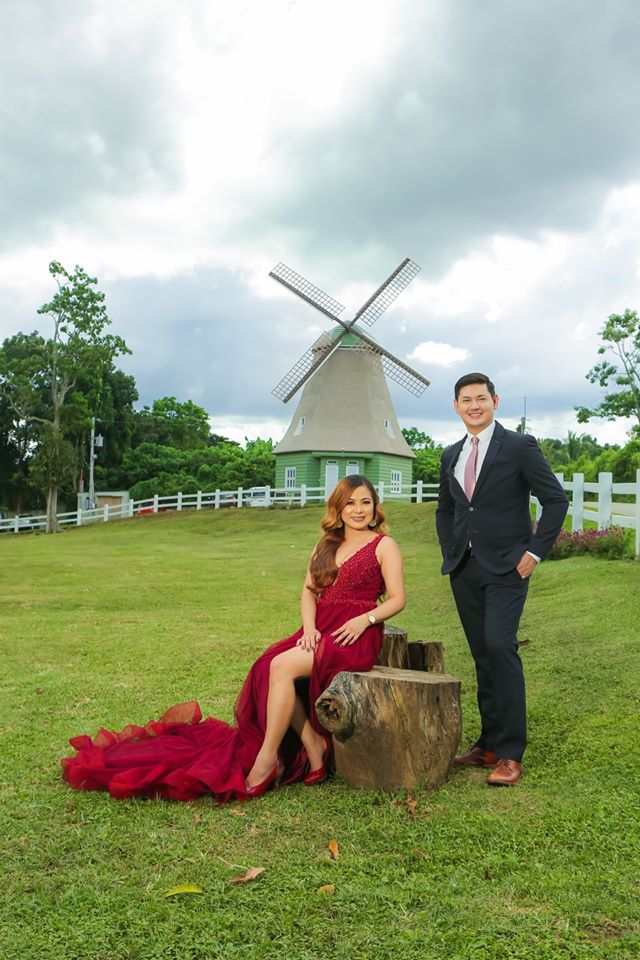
{"points": [[78, 350], [621, 336]]}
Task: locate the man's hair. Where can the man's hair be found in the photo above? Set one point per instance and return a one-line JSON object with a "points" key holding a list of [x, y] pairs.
{"points": [[470, 378]]}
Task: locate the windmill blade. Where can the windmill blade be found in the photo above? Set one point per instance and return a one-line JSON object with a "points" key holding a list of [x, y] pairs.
{"points": [[306, 291], [306, 366], [394, 368], [387, 292]]}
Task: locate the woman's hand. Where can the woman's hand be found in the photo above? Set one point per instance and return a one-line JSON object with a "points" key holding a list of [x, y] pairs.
{"points": [[349, 632], [309, 639]]}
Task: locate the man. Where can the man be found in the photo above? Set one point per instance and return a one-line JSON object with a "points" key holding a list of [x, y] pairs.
{"points": [[490, 550]]}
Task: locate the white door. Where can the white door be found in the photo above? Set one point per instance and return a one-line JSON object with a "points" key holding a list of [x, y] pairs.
{"points": [[330, 477]]}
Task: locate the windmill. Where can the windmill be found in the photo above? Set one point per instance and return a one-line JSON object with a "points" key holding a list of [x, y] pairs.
{"points": [[345, 421]]}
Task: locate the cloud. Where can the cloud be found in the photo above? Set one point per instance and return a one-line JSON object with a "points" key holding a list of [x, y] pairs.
{"points": [[440, 354], [87, 116], [484, 120]]}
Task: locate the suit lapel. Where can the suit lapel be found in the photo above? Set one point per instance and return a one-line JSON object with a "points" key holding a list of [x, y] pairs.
{"points": [[487, 463], [455, 453], [456, 449]]}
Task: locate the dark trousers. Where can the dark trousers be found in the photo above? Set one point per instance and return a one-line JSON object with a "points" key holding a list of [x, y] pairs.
{"points": [[490, 606]]}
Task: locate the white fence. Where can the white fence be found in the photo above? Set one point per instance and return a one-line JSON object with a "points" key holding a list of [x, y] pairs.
{"points": [[589, 502], [596, 502], [216, 500]]}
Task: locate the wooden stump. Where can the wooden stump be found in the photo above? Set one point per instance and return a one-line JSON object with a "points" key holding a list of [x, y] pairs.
{"points": [[425, 655], [392, 728], [394, 647], [417, 655]]}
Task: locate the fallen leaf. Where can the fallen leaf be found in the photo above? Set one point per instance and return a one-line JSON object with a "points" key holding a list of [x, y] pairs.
{"points": [[197, 818], [183, 888], [39, 689], [334, 849], [412, 806], [327, 888], [237, 813], [421, 853], [251, 874], [486, 874]]}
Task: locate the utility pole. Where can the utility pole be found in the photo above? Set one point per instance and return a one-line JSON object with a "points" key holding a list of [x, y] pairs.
{"points": [[95, 442], [523, 421]]}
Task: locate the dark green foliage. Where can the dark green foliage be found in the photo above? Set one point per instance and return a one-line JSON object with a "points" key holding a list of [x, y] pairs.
{"points": [[582, 454], [183, 425], [57, 384], [426, 466]]}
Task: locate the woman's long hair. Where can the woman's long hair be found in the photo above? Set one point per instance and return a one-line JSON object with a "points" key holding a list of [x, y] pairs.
{"points": [[323, 567]]}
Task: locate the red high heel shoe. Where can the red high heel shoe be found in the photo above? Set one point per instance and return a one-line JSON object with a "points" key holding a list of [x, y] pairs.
{"points": [[260, 788], [319, 775]]}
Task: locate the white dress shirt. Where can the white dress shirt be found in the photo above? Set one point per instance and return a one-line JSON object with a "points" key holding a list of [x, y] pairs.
{"points": [[484, 439]]}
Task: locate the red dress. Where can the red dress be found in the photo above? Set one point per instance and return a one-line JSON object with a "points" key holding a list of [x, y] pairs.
{"points": [[182, 756]]}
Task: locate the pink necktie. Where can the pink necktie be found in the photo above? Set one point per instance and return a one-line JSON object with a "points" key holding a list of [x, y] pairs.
{"points": [[470, 469]]}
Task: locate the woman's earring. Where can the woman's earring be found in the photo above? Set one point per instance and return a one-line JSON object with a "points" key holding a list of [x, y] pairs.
{"points": [[373, 523]]}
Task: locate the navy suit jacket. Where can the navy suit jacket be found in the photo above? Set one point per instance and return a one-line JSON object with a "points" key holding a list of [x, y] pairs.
{"points": [[497, 520]]}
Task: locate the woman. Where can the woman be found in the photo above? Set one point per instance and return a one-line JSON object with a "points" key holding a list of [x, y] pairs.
{"points": [[277, 735]]}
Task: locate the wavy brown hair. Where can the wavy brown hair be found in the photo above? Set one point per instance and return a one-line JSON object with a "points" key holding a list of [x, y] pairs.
{"points": [[323, 567]]}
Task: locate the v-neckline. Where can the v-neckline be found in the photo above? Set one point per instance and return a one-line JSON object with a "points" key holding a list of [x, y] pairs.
{"points": [[359, 550]]}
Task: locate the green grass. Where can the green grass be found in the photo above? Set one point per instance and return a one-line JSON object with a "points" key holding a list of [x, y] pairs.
{"points": [[114, 623]]}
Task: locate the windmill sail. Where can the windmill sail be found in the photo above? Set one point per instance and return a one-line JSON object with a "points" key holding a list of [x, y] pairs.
{"points": [[394, 368], [307, 291], [387, 292], [306, 366]]}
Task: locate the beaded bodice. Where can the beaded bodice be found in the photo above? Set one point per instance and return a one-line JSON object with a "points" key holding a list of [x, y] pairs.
{"points": [[359, 578]]}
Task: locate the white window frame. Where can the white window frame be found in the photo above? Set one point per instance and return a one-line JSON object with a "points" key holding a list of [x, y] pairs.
{"points": [[352, 463], [395, 486], [289, 478]]}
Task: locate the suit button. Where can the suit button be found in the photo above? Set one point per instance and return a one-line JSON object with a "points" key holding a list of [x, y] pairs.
{"points": [[470, 509]]}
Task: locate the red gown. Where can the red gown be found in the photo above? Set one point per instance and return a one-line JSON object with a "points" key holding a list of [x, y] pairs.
{"points": [[182, 757]]}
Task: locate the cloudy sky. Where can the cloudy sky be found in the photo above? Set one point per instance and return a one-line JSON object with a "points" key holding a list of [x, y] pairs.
{"points": [[178, 151]]}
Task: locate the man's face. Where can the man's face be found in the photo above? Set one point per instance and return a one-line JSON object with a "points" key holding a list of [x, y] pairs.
{"points": [[475, 405]]}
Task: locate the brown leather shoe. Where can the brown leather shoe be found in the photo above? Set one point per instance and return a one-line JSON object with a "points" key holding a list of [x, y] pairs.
{"points": [[506, 773], [476, 757]]}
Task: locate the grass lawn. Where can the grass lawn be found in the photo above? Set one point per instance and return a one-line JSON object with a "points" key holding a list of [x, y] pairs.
{"points": [[114, 623]]}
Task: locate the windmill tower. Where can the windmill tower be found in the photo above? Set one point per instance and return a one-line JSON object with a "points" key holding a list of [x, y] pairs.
{"points": [[345, 422]]}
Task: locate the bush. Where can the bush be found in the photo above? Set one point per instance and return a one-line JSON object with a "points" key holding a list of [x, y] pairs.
{"points": [[608, 544]]}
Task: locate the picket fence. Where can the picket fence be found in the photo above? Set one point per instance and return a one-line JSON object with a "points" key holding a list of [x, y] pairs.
{"points": [[592, 502]]}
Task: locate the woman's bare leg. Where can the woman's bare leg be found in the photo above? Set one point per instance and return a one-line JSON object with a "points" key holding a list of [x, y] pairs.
{"points": [[285, 669], [313, 742]]}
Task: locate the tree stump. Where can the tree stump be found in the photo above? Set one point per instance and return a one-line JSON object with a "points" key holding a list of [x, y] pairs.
{"points": [[425, 655], [417, 655], [394, 647], [392, 728]]}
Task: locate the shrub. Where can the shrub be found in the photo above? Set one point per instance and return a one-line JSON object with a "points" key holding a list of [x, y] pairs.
{"points": [[608, 544]]}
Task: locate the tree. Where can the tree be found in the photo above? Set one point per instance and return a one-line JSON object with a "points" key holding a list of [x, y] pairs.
{"points": [[621, 336], [79, 350], [426, 466], [180, 424], [417, 439]]}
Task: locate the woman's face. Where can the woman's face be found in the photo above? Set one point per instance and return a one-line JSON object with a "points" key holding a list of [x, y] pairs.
{"points": [[358, 511]]}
